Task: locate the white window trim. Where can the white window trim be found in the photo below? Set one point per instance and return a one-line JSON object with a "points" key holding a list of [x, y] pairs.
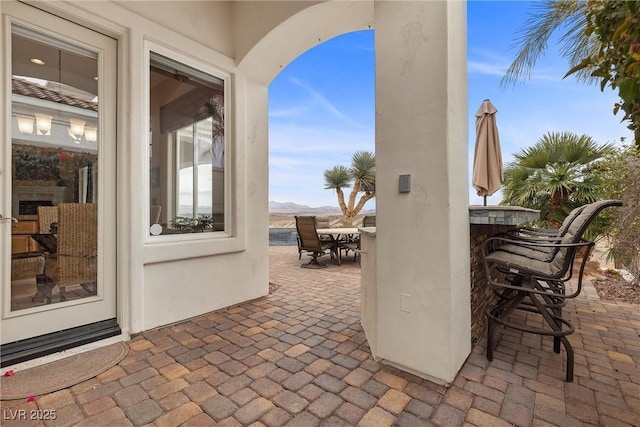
{"points": [[162, 248]]}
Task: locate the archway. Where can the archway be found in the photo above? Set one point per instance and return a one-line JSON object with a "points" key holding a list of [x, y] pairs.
{"points": [[321, 112]]}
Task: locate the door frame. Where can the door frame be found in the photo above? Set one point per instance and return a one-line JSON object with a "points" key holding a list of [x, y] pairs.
{"points": [[14, 323]]}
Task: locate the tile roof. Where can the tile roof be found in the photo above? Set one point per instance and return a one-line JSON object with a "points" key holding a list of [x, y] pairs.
{"points": [[25, 88]]}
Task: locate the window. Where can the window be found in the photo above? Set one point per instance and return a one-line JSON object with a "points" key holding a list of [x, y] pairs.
{"points": [[187, 149]]}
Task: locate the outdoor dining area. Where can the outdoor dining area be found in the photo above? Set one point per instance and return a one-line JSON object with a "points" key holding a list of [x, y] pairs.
{"points": [[315, 238]]}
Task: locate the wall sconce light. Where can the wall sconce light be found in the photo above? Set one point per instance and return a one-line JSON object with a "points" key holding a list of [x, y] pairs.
{"points": [[90, 134], [76, 128], [25, 124], [43, 124]]}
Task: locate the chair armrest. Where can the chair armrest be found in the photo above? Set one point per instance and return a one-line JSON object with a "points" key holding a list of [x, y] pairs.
{"points": [[533, 243], [514, 268], [530, 233], [540, 231]]}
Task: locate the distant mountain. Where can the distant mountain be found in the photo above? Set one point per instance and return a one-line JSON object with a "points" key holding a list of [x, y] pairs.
{"points": [[292, 208], [285, 208]]}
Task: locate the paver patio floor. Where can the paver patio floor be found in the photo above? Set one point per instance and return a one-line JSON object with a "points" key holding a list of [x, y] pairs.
{"points": [[299, 357]]}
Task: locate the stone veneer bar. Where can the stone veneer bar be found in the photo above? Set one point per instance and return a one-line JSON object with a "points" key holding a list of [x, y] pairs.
{"points": [[487, 221], [501, 215]]}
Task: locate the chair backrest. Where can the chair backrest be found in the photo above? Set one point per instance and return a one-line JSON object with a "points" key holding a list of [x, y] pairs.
{"points": [[322, 222], [563, 258], [78, 229], [47, 215], [369, 221], [309, 239], [564, 227], [569, 219]]}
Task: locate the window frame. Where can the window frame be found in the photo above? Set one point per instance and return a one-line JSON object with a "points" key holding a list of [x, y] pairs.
{"points": [[231, 239]]}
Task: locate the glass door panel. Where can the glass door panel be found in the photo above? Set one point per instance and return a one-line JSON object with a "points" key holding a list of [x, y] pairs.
{"points": [[54, 155]]}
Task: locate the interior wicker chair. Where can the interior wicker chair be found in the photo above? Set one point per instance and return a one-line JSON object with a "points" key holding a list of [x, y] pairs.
{"points": [[309, 241], [47, 219], [538, 286], [75, 261], [27, 265]]}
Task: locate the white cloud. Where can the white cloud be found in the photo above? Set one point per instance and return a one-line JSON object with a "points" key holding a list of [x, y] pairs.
{"points": [[486, 68], [292, 138], [295, 112], [324, 103]]}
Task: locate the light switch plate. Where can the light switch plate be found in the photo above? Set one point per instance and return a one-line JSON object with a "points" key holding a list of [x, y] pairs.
{"points": [[404, 184]]}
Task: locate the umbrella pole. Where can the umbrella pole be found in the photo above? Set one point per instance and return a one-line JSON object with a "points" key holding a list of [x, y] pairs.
{"points": [[485, 200]]}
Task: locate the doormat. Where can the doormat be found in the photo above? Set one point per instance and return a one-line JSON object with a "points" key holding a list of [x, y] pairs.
{"points": [[62, 373]]}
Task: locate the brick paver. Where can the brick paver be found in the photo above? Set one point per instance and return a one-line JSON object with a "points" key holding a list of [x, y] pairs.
{"points": [[299, 357]]}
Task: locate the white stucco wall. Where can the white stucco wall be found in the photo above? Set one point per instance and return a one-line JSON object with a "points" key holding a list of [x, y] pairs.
{"points": [[205, 22]]}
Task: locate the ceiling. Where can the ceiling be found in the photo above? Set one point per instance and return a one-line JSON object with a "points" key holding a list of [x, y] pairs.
{"points": [[74, 69]]}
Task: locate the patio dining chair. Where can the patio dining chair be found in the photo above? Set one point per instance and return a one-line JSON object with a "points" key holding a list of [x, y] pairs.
{"points": [[369, 221], [309, 241], [523, 282], [540, 235], [322, 222], [351, 244]]}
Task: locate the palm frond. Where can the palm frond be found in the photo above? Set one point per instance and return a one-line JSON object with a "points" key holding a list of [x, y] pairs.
{"points": [[363, 170], [561, 166], [547, 17], [337, 177]]}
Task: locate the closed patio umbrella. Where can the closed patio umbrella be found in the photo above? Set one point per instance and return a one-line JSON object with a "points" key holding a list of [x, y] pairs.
{"points": [[487, 158]]}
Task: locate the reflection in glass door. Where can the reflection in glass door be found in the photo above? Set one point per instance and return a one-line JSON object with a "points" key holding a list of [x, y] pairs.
{"points": [[54, 160]]}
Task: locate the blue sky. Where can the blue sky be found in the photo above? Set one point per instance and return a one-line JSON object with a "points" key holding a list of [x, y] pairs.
{"points": [[321, 106]]}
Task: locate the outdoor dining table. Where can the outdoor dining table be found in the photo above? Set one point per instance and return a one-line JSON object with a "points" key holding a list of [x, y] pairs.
{"points": [[341, 235], [339, 231]]}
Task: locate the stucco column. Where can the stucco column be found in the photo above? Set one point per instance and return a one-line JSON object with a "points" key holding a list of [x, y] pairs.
{"points": [[422, 261]]}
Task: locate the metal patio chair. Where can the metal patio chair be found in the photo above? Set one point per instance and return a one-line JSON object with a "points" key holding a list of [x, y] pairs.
{"points": [[539, 235], [523, 282], [369, 221], [310, 241], [351, 244]]}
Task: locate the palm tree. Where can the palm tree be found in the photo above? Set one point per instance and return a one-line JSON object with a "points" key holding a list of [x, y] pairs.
{"points": [[546, 18], [555, 175], [362, 173]]}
